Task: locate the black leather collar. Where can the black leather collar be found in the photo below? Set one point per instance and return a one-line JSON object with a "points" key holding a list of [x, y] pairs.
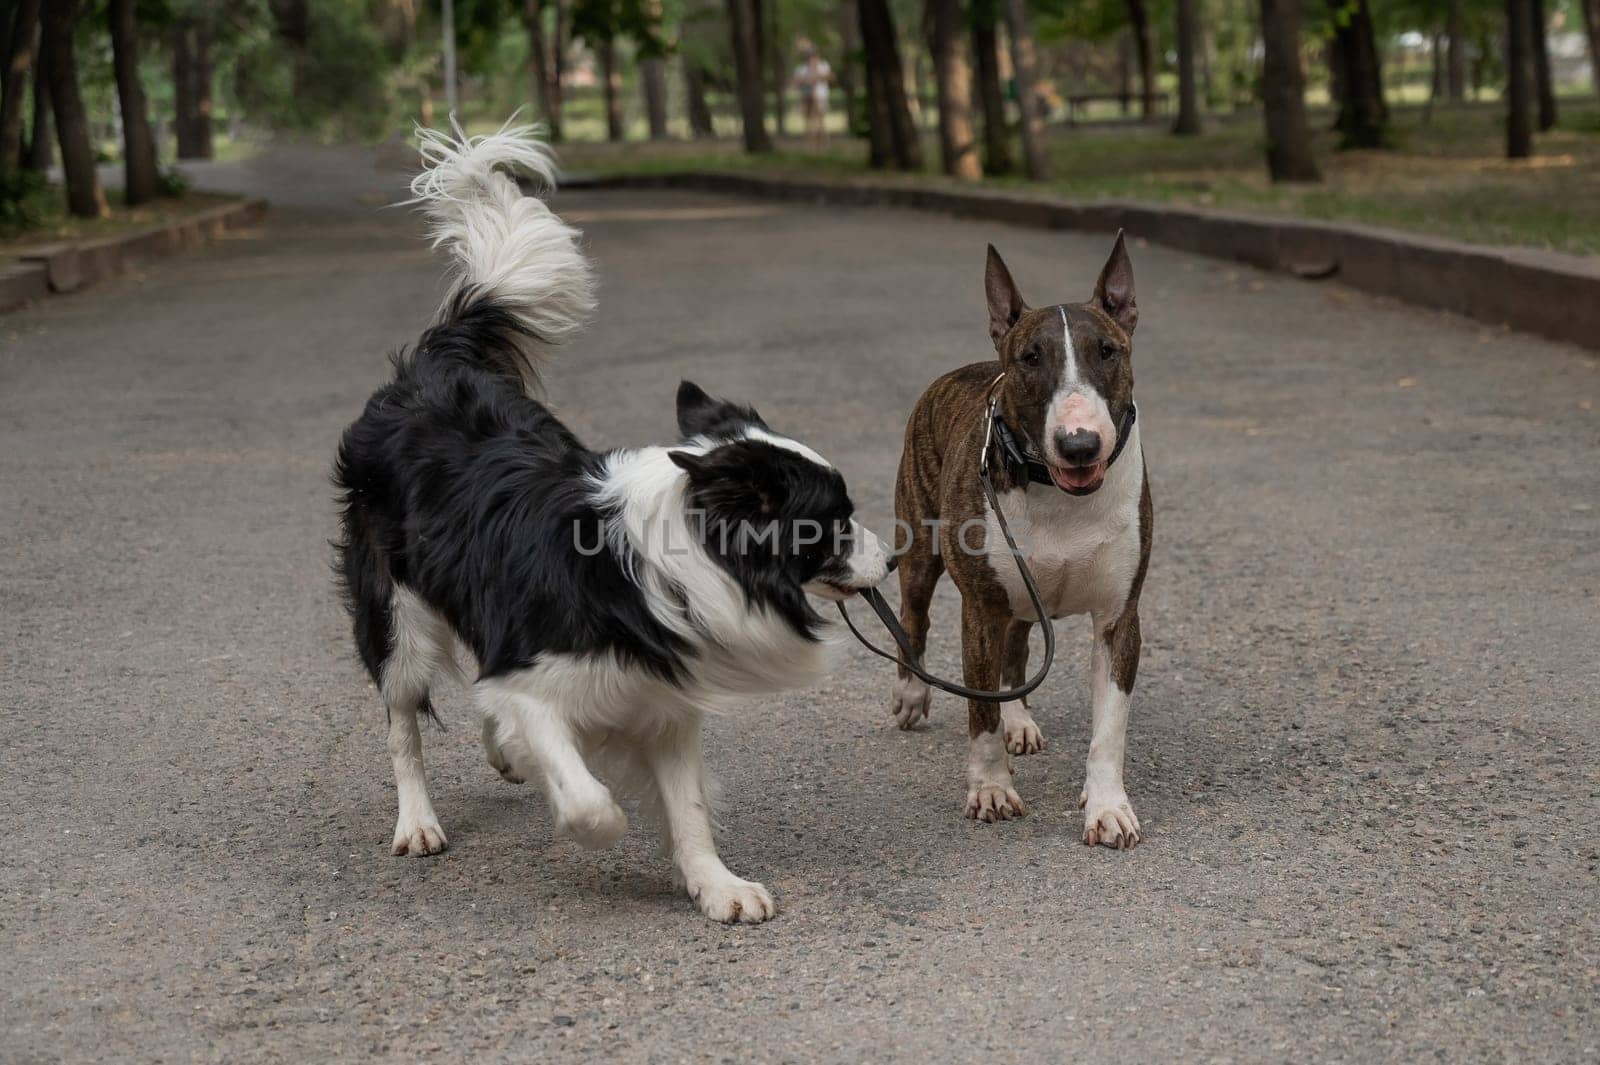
{"points": [[1023, 468]]}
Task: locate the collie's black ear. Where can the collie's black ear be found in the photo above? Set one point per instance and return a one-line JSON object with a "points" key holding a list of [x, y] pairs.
{"points": [[1113, 293], [692, 402], [731, 478], [1005, 302], [700, 414], [688, 462]]}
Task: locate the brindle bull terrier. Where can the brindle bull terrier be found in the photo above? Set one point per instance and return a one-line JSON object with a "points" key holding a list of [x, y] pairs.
{"points": [[1079, 507]]}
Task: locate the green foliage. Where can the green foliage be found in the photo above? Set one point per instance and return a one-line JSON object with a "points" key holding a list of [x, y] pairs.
{"points": [[1083, 20], [340, 84], [24, 201], [172, 184]]}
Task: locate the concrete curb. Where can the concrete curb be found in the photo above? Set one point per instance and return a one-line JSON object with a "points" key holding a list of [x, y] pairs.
{"points": [[69, 266], [22, 282], [1547, 293]]}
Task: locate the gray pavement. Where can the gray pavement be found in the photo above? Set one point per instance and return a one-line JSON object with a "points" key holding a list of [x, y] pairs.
{"points": [[1364, 742]]}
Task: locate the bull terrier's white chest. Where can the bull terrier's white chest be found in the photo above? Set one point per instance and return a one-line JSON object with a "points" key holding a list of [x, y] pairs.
{"points": [[1083, 551]]}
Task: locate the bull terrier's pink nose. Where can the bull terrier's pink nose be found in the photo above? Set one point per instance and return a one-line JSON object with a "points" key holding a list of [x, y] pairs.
{"points": [[1081, 447]]}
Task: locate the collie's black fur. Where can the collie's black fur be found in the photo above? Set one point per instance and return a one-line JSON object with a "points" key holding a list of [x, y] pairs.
{"points": [[474, 496]]}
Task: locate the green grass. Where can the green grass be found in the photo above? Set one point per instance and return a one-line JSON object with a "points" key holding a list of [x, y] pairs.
{"points": [[1445, 176]]}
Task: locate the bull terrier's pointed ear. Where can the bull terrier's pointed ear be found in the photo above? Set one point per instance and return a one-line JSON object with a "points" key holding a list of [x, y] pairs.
{"points": [[1113, 293], [1005, 302]]}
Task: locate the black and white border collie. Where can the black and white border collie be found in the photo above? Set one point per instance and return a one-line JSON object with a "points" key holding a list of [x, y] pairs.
{"points": [[599, 603]]}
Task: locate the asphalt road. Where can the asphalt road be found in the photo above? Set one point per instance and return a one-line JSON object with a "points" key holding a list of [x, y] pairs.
{"points": [[1363, 747]]}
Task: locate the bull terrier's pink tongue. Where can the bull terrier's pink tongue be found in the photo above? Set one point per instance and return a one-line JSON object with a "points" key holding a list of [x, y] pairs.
{"points": [[1077, 476]]}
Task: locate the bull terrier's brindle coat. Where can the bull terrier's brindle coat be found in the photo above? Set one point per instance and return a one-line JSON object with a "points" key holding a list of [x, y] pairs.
{"points": [[1065, 383]]}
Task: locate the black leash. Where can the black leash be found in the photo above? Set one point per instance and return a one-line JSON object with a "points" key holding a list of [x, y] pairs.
{"points": [[908, 658], [1021, 470]]}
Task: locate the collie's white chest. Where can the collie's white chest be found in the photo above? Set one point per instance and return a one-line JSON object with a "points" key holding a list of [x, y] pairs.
{"points": [[1083, 551]]}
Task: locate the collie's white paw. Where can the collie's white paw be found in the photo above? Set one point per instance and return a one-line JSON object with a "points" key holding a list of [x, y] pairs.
{"points": [[732, 901], [418, 836], [498, 762], [496, 753], [1022, 735], [595, 826], [910, 701], [1108, 819]]}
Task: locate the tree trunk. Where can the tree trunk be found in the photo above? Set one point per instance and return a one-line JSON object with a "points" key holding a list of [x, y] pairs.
{"points": [[182, 88], [1283, 94], [694, 94], [1519, 79], [991, 96], [1436, 75], [1455, 67], [1144, 42], [1188, 121], [84, 198], [880, 125], [1125, 72], [539, 62], [650, 59], [886, 83], [1541, 66], [1025, 70], [1591, 26], [40, 155], [558, 65], [653, 85], [1336, 91], [611, 80], [919, 93], [18, 72], [747, 66], [1363, 116], [191, 77], [777, 61], [142, 180], [958, 140], [849, 44]]}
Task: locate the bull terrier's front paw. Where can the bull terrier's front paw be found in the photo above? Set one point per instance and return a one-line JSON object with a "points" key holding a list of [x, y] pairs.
{"points": [[910, 701], [595, 825], [418, 836], [1021, 734], [1108, 819], [732, 901], [994, 802]]}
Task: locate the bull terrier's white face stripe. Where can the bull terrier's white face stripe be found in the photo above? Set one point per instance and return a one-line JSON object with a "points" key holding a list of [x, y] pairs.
{"points": [[1070, 377], [1077, 404]]}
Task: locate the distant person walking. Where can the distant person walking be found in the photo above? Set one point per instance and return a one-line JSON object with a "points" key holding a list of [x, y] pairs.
{"points": [[812, 78]]}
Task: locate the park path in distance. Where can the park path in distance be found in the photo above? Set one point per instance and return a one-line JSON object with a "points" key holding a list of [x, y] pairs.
{"points": [[1363, 743]]}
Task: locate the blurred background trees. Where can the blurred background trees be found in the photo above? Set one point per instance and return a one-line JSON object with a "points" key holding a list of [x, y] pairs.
{"points": [[984, 87]]}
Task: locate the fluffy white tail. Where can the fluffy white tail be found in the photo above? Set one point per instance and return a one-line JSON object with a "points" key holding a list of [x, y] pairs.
{"points": [[508, 248]]}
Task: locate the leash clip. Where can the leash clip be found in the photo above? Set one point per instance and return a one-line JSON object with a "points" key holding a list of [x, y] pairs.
{"points": [[992, 407]]}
